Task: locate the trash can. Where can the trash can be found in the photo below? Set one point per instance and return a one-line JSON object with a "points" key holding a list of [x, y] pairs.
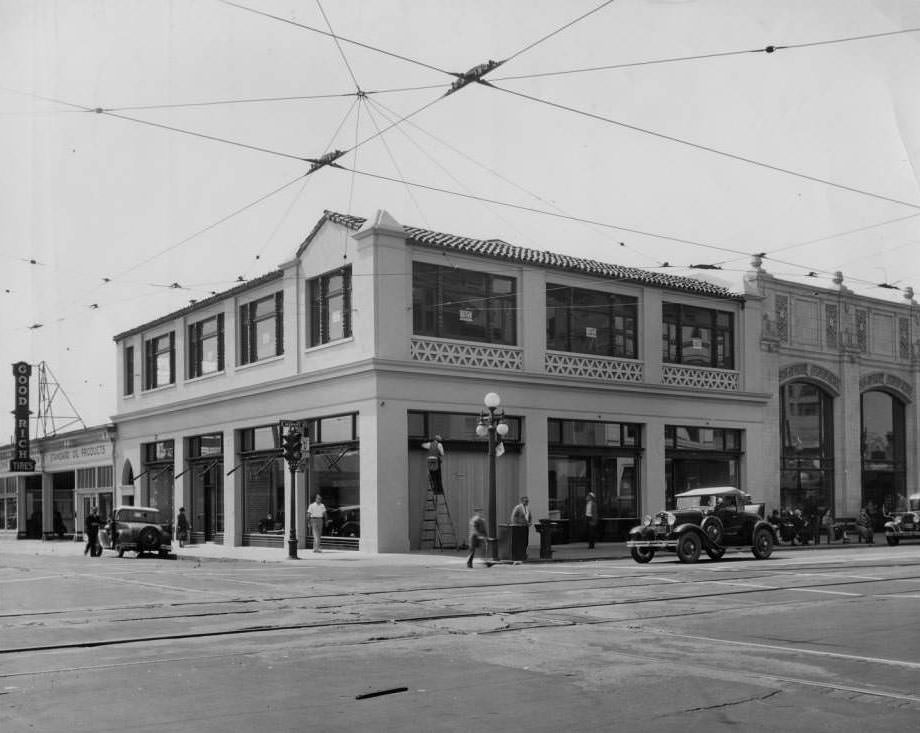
{"points": [[545, 528]]}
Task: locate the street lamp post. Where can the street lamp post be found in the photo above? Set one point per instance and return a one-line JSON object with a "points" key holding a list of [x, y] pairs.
{"points": [[492, 424]]}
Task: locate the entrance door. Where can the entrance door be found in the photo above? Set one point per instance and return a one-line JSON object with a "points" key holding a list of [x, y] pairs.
{"points": [[207, 501]]}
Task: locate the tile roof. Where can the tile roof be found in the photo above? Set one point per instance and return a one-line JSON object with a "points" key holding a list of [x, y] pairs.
{"points": [[501, 250]]}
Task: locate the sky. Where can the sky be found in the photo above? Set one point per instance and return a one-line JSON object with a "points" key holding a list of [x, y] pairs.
{"points": [[691, 146]]}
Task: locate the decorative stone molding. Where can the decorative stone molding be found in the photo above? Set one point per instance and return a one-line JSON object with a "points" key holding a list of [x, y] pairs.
{"points": [[904, 338], [681, 375], [810, 371], [862, 330], [782, 318], [463, 354], [890, 381], [602, 368], [831, 325]]}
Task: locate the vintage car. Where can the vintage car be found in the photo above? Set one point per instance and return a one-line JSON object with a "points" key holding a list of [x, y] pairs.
{"points": [[345, 521], [904, 525], [137, 528], [709, 519]]}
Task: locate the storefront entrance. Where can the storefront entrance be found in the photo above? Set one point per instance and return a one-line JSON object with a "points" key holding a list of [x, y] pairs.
{"points": [[207, 515]]}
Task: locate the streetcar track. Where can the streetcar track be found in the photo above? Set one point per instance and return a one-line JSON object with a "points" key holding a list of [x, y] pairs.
{"points": [[653, 580], [262, 628]]}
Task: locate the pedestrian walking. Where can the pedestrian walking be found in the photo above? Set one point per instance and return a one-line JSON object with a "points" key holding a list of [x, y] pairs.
{"points": [[521, 521], [479, 535], [317, 514], [182, 527], [91, 527], [591, 518]]}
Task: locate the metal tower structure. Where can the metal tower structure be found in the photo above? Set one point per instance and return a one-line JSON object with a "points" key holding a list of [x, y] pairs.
{"points": [[47, 423]]}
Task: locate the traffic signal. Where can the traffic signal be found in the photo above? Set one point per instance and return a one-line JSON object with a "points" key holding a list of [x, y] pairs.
{"points": [[292, 447]]}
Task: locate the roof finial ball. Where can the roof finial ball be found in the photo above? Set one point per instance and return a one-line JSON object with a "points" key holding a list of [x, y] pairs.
{"points": [[838, 278], [757, 261], [909, 293]]}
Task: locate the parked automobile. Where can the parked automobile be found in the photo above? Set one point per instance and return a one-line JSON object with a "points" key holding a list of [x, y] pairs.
{"points": [[137, 528], [904, 525], [710, 519], [345, 521]]}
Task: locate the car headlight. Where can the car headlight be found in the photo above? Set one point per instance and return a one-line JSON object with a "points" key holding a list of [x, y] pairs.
{"points": [[647, 520], [670, 519]]}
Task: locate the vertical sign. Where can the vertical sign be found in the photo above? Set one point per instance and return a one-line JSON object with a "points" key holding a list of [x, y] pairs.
{"points": [[21, 459]]}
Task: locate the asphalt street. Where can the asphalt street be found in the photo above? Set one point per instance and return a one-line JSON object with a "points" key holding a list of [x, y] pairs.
{"points": [[807, 640]]}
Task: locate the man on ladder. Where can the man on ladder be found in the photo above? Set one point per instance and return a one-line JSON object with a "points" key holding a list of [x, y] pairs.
{"points": [[435, 450]]}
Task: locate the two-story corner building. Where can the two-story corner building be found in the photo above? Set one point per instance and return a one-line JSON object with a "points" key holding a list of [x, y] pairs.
{"points": [[627, 383], [844, 373]]}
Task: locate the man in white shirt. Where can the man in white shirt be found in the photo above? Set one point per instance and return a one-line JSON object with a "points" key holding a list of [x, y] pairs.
{"points": [[317, 514]]}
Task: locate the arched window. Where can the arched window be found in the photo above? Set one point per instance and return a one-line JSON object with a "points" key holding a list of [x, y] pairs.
{"points": [[884, 469], [807, 428]]}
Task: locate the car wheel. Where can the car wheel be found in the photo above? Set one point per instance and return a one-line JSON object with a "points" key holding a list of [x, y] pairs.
{"points": [[148, 540], [712, 526], [121, 551], [762, 543], [715, 553], [892, 540], [688, 547], [642, 554]]}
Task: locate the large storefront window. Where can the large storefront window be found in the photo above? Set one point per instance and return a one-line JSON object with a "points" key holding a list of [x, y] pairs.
{"points": [[697, 336], [8, 503], [590, 322], [159, 480], [884, 466], [600, 457], [448, 302], [205, 464], [698, 457], [263, 481], [334, 473], [807, 434]]}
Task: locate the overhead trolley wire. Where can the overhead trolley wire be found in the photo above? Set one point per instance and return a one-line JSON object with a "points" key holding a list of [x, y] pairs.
{"points": [[705, 148], [557, 31], [703, 56], [341, 38], [338, 45]]}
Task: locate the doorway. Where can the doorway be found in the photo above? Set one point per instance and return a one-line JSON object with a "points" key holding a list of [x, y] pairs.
{"points": [[207, 516]]}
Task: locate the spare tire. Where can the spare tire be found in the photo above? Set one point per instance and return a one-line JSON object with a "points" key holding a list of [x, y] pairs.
{"points": [[148, 540], [712, 526]]}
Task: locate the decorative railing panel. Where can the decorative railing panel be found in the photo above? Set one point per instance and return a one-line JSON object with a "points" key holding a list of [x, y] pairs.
{"points": [[605, 369], [680, 375], [458, 353]]}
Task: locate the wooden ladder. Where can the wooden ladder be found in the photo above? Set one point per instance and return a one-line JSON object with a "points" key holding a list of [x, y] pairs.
{"points": [[437, 526]]}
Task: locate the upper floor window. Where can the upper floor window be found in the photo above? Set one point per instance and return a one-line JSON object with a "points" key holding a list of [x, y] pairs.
{"points": [[330, 307], [448, 302], [697, 336], [129, 370], [206, 346], [590, 322], [262, 328], [160, 361]]}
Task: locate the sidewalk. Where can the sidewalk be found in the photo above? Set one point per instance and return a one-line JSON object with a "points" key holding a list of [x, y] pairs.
{"points": [[574, 552]]}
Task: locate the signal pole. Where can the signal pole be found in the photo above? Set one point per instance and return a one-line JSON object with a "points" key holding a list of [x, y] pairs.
{"points": [[293, 441]]}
